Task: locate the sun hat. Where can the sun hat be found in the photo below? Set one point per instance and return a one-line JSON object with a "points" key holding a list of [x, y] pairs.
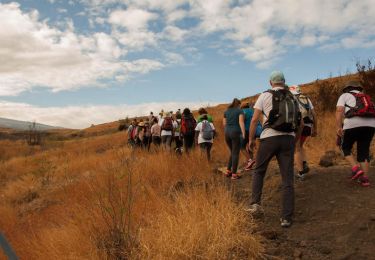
{"points": [[352, 85], [277, 77], [295, 89], [141, 124]]}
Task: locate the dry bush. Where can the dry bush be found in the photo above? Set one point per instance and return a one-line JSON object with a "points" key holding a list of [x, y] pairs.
{"points": [[367, 77], [200, 224]]}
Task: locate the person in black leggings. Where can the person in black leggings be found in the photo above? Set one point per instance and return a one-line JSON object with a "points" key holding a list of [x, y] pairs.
{"points": [[234, 133], [354, 127]]}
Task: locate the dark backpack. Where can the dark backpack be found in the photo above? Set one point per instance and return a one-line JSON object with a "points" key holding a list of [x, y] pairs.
{"points": [[364, 107], [167, 124], [188, 125], [207, 131], [285, 115]]}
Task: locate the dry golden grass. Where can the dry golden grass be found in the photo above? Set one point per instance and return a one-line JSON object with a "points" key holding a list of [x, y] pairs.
{"points": [[76, 201]]}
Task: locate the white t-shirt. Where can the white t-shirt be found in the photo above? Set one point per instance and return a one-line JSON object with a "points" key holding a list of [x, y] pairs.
{"points": [[165, 132], [264, 104], [349, 99], [200, 136]]}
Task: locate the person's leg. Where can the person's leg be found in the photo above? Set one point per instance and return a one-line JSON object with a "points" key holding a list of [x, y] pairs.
{"points": [[363, 147], [228, 141], [285, 158], [169, 142], [164, 141], [243, 147], [236, 147], [208, 151], [266, 151], [349, 138], [299, 156]]}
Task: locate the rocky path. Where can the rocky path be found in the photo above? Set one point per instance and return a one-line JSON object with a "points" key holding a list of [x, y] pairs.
{"points": [[335, 217]]}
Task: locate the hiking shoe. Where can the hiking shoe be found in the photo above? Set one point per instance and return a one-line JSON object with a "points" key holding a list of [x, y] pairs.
{"points": [[285, 223], [254, 209], [249, 165], [357, 174], [364, 181], [306, 168], [300, 176], [235, 176], [228, 174]]}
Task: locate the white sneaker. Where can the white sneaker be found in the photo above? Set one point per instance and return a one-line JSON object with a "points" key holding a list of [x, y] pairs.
{"points": [[254, 209], [285, 223]]}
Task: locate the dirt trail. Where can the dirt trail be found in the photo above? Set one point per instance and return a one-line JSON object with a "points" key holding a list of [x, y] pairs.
{"points": [[334, 217]]}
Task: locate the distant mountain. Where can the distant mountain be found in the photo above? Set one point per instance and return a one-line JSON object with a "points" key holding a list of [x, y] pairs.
{"points": [[24, 125]]}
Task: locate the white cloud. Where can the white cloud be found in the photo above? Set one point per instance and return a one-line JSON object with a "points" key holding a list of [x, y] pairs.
{"points": [[84, 116], [37, 54], [132, 19]]}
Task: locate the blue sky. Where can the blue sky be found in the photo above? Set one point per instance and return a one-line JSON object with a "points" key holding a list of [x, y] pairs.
{"points": [[74, 63]]}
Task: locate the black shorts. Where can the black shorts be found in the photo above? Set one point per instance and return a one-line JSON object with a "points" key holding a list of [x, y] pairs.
{"points": [[306, 131], [363, 137]]}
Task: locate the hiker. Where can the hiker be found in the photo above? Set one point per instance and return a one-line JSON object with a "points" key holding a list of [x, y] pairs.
{"points": [[156, 133], [202, 111], [355, 120], [139, 134], [204, 135], [177, 135], [187, 132], [281, 124], [151, 117], [178, 114], [147, 136], [310, 129], [248, 153], [234, 130], [167, 131], [132, 133]]}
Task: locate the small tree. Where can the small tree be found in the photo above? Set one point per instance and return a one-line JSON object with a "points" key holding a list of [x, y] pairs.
{"points": [[33, 136]]}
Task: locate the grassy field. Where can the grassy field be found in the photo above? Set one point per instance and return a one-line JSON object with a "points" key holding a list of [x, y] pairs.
{"points": [[87, 196]]}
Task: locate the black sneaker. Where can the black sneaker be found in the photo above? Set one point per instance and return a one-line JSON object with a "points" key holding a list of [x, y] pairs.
{"points": [[285, 223]]}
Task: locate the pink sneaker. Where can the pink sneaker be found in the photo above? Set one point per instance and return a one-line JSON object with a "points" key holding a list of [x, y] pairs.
{"points": [[250, 164], [236, 176], [364, 181], [356, 173]]}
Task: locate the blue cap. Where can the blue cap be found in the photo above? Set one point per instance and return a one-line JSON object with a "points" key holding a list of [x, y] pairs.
{"points": [[277, 77]]}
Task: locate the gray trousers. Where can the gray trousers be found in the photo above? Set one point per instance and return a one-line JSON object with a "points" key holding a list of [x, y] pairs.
{"points": [[283, 148]]}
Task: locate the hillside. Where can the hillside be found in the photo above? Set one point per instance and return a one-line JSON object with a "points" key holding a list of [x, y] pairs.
{"points": [[86, 195], [23, 125]]}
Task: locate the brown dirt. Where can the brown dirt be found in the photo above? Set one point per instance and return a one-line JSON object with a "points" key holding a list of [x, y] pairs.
{"points": [[334, 216]]}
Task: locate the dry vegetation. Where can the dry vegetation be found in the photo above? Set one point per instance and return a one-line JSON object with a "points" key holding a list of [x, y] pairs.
{"points": [[90, 197]]}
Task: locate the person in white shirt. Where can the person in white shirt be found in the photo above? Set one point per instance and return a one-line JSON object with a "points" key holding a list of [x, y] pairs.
{"points": [[310, 129], [204, 135], [274, 143], [354, 127]]}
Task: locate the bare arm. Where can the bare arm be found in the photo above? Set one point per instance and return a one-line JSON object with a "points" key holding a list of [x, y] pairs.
{"points": [[339, 119], [242, 124]]}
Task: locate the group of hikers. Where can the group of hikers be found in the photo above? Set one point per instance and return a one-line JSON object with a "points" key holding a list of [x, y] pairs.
{"points": [[167, 128], [282, 118]]}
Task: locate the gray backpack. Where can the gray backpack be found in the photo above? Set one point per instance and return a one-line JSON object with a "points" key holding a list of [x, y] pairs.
{"points": [[207, 131], [285, 115]]}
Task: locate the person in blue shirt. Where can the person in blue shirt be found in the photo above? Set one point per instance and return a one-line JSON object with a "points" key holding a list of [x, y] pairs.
{"points": [[248, 111]]}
